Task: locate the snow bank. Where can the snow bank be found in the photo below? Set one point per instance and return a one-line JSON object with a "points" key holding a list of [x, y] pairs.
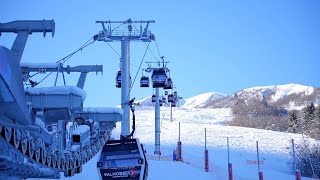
{"points": [[62, 90], [108, 110]]}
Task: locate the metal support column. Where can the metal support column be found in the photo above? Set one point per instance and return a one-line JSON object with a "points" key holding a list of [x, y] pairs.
{"points": [[62, 134], [157, 124], [19, 44], [125, 86], [171, 118]]}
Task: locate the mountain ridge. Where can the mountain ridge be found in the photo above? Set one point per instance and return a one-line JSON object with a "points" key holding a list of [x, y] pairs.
{"points": [[288, 96]]}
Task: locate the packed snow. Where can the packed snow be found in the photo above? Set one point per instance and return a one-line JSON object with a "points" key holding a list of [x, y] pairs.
{"points": [[62, 90], [102, 110]]}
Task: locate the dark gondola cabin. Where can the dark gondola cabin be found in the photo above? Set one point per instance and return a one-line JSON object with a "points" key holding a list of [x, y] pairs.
{"points": [[144, 81], [153, 98], [118, 79], [169, 84], [123, 159], [159, 78], [173, 104], [170, 98]]}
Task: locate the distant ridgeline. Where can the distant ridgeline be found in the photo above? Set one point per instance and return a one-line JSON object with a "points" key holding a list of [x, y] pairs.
{"points": [[290, 96], [281, 108], [286, 108]]}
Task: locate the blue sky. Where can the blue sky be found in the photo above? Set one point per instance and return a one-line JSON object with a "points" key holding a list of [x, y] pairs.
{"points": [[220, 46]]}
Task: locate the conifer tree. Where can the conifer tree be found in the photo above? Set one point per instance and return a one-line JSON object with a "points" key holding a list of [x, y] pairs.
{"points": [[293, 121], [308, 116], [318, 117]]}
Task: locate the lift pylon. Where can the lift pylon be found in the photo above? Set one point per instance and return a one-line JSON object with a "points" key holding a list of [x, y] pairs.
{"points": [[131, 33]]}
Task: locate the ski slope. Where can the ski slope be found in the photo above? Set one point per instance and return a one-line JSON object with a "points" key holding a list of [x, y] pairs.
{"points": [[275, 147]]}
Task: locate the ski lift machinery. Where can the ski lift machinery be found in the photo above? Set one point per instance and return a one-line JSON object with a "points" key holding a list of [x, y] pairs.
{"points": [[123, 159]]}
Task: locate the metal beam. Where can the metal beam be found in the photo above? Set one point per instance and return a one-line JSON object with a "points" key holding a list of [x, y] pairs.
{"points": [[43, 67], [29, 26], [148, 21], [24, 28]]}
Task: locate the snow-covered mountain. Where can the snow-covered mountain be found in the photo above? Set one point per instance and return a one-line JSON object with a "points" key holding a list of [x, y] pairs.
{"points": [[289, 96], [202, 99], [147, 102]]}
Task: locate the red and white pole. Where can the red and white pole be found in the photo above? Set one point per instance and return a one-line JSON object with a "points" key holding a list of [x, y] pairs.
{"points": [[179, 151], [260, 176], [179, 158], [298, 175], [297, 171], [230, 171], [260, 173], [206, 154], [229, 164]]}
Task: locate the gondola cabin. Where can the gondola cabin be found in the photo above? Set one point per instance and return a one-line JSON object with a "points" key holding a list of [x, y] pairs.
{"points": [[123, 159], [169, 84], [144, 81], [153, 98], [159, 78], [118, 79], [166, 93], [173, 104], [170, 98]]}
